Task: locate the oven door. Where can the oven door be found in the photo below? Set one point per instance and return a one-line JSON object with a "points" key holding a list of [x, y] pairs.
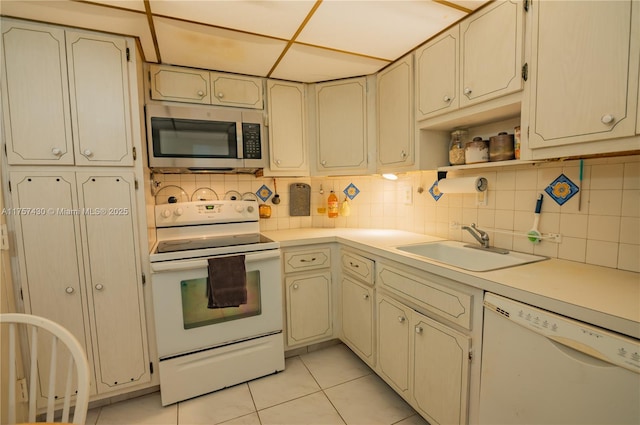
{"points": [[185, 324]]}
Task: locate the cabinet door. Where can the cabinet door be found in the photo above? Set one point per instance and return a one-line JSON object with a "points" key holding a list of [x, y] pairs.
{"points": [[357, 318], [588, 91], [308, 307], [395, 116], [48, 244], [100, 103], [393, 344], [440, 388], [341, 125], [113, 277], [179, 84], [491, 52], [237, 91], [287, 127], [437, 75], [35, 99]]}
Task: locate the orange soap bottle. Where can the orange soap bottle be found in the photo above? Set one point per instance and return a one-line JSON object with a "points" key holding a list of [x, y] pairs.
{"points": [[332, 205]]}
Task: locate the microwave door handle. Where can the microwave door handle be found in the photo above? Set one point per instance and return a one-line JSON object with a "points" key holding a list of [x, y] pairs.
{"points": [[239, 139]]}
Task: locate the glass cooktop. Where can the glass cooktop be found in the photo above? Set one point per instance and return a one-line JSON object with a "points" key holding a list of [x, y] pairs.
{"points": [[210, 242]]}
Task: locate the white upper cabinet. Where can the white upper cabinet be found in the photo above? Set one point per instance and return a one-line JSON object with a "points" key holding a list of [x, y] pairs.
{"points": [[35, 94], [396, 137], [190, 85], [341, 126], [584, 77], [286, 105], [478, 60], [234, 90], [491, 52], [179, 84], [67, 101], [437, 75], [100, 103]]}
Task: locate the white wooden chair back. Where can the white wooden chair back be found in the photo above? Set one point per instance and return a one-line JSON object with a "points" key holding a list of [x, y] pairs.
{"points": [[57, 334]]}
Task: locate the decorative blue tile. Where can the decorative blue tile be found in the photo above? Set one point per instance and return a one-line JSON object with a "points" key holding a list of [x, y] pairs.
{"points": [[264, 193], [562, 189], [434, 191], [351, 191]]}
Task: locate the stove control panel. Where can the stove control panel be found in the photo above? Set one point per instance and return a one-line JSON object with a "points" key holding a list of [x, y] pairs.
{"points": [[205, 212]]}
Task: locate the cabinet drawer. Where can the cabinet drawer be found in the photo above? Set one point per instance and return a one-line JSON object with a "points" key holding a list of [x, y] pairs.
{"points": [[358, 266], [307, 260], [426, 292]]}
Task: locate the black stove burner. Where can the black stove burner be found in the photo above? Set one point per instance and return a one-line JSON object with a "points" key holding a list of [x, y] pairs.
{"points": [[211, 242]]}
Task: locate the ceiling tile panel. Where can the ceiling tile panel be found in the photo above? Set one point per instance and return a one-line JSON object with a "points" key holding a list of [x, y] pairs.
{"points": [[311, 64], [382, 29], [279, 19], [212, 48]]}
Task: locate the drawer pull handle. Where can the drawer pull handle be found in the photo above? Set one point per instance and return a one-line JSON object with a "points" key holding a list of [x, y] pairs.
{"points": [[304, 260], [401, 319], [353, 265]]}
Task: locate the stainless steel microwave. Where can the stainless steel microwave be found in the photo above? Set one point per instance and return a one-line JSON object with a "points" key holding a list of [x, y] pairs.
{"points": [[196, 138]]}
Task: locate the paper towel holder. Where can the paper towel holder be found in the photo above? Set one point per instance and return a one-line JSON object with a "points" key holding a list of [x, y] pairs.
{"points": [[476, 184]]}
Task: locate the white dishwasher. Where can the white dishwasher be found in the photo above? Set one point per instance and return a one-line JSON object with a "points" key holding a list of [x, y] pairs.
{"points": [[542, 368]]}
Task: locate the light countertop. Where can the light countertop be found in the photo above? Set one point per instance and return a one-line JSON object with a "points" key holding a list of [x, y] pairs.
{"points": [[602, 296]]}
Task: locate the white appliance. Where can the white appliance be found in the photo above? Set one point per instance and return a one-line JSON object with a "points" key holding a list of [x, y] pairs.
{"points": [[204, 348], [542, 368]]}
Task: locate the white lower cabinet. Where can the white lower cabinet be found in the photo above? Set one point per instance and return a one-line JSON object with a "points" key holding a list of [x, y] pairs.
{"points": [[357, 318], [393, 343], [78, 254], [308, 295]]}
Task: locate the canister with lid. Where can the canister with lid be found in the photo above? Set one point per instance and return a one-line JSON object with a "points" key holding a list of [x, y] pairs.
{"points": [[457, 146], [477, 151], [501, 147]]}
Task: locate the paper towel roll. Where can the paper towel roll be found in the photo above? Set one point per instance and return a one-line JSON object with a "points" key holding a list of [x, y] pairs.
{"points": [[462, 185]]}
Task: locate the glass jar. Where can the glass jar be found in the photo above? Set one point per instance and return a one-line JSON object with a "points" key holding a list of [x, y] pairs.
{"points": [[457, 146]]}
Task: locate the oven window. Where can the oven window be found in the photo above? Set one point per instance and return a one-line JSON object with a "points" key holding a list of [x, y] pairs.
{"points": [[181, 138], [194, 303]]}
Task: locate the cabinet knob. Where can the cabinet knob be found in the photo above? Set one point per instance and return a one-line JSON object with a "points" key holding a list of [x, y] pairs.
{"points": [[401, 319], [99, 286], [447, 99], [607, 119], [278, 162], [56, 151], [295, 286], [403, 154], [220, 95], [87, 153], [419, 329], [69, 290], [200, 93], [467, 91], [323, 162], [365, 297]]}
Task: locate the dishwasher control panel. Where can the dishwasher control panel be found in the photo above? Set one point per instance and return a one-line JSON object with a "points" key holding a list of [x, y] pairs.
{"points": [[602, 344]]}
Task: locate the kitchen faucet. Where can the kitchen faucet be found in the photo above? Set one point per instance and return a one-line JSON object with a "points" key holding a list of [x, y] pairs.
{"points": [[481, 236]]}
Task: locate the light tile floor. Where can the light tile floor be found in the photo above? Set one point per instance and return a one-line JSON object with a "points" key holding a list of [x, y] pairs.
{"points": [[328, 386]]}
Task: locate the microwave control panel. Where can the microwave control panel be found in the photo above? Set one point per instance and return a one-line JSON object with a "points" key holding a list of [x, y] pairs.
{"points": [[251, 141]]}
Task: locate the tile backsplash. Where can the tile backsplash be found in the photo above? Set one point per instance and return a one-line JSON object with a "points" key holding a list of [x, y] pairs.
{"points": [[604, 230]]}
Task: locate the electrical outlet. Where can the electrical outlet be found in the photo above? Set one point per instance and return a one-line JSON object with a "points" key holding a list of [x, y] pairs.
{"points": [[406, 194], [22, 394]]}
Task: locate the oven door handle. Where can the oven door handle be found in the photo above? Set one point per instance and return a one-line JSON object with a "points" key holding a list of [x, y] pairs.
{"points": [[166, 266]]}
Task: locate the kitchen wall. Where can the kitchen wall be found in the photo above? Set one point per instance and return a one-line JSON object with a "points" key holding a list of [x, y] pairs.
{"points": [[605, 231]]}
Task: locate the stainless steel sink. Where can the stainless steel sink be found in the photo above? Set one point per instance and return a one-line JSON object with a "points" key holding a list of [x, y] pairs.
{"points": [[459, 254]]}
